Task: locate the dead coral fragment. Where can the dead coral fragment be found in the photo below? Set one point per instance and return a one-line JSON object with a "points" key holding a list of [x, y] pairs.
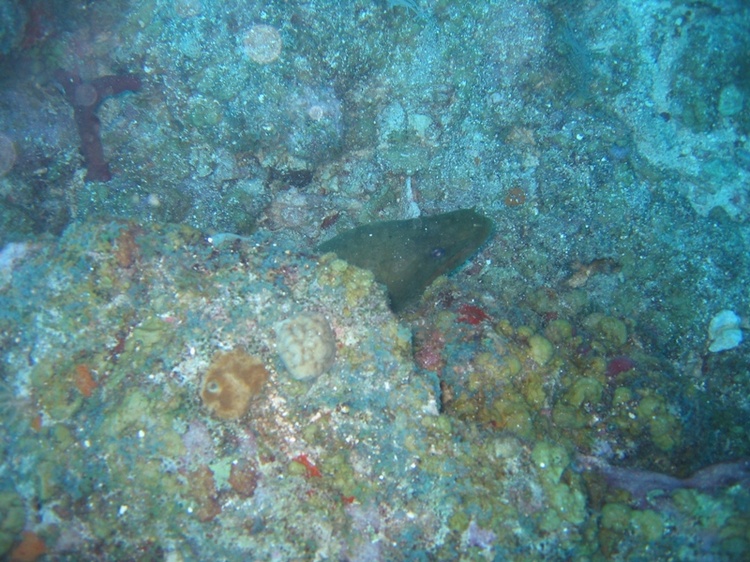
{"points": [[86, 97], [230, 383]]}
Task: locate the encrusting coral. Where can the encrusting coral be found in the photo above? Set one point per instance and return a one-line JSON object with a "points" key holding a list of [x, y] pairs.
{"points": [[230, 383]]}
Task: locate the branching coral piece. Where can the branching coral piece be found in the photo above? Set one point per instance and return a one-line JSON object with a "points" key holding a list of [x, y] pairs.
{"points": [[85, 97]]}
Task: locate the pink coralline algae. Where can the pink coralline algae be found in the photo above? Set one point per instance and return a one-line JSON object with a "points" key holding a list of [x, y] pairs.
{"points": [[199, 445], [476, 536], [429, 351], [85, 97]]}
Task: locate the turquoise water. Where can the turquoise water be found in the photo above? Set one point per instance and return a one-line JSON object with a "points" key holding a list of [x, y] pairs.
{"points": [[576, 389]]}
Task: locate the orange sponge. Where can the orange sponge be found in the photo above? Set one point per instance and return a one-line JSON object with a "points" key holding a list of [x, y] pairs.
{"points": [[231, 381]]}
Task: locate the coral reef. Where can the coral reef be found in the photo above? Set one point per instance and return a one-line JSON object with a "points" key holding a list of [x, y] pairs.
{"points": [[13, 21], [489, 420], [7, 154]]}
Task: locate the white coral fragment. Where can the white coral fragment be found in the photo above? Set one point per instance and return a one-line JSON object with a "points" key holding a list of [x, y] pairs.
{"points": [[724, 331]]}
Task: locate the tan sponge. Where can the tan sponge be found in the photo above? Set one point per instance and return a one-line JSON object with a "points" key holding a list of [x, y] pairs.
{"points": [[230, 383]]}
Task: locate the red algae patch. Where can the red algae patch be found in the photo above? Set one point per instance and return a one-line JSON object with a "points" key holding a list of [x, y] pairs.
{"points": [[262, 43], [230, 383]]}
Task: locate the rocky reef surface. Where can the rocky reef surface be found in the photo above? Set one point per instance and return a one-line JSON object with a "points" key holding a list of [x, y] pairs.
{"points": [[475, 439], [578, 389]]}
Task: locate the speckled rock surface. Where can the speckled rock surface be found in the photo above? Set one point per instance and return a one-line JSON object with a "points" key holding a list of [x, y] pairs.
{"points": [[141, 311]]}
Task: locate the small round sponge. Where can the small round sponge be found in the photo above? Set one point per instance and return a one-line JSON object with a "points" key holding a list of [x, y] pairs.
{"points": [[306, 345]]}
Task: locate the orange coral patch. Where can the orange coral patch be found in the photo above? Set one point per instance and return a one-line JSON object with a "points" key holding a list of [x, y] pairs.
{"points": [[84, 380], [243, 478], [230, 383], [29, 549]]}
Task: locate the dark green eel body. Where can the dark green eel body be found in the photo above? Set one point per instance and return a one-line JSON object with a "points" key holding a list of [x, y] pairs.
{"points": [[407, 255]]}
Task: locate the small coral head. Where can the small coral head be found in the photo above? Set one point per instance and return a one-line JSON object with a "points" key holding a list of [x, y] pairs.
{"points": [[306, 345]]}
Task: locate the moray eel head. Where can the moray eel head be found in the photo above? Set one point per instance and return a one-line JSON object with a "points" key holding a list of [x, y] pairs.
{"points": [[407, 255]]}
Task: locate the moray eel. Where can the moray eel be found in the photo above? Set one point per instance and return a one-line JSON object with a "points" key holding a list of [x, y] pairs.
{"points": [[407, 255]]}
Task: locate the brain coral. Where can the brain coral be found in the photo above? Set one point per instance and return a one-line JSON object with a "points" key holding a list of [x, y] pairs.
{"points": [[232, 379], [306, 345]]}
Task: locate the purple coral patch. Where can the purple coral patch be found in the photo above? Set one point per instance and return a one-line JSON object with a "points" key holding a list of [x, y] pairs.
{"points": [[476, 536], [619, 365]]}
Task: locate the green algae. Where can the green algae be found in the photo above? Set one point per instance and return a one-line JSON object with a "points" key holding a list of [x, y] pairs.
{"points": [[564, 496], [559, 331], [513, 414], [585, 389], [622, 395], [407, 255], [541, 349], [151, 334], [12, 518], [663, 426], [610, 331]]}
